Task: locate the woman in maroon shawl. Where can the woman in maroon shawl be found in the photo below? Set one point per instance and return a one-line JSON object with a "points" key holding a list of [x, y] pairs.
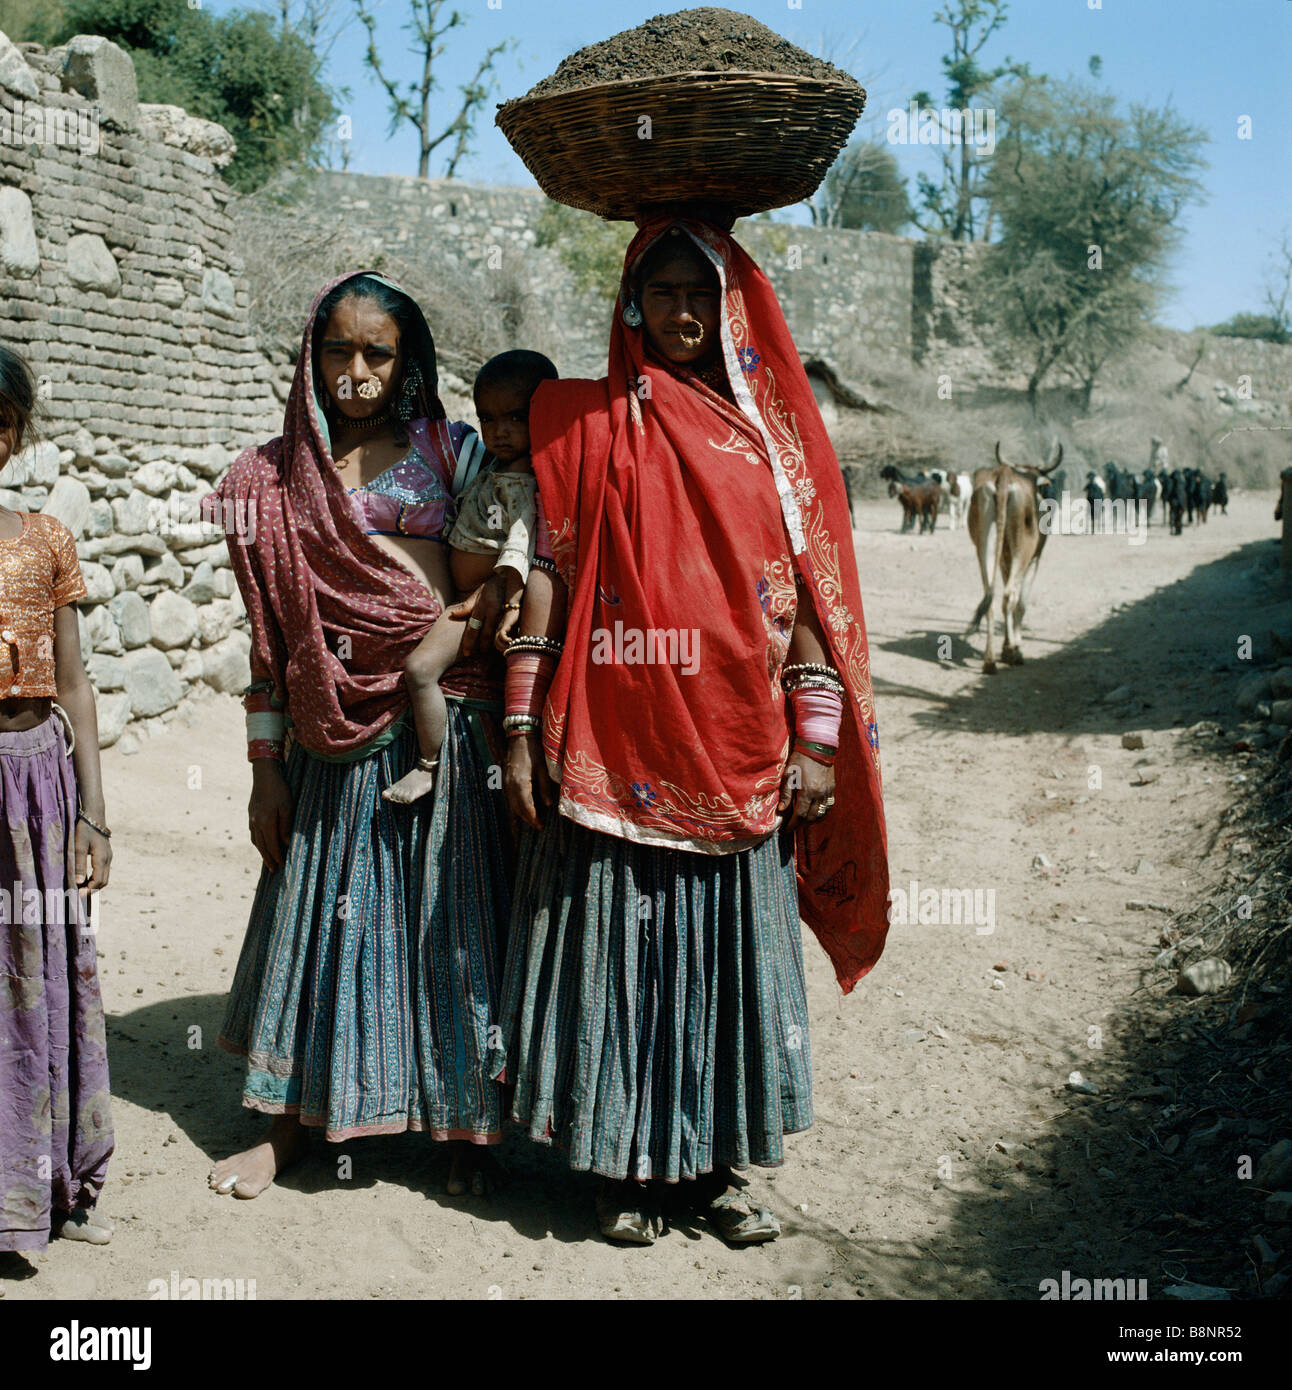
{"points": [[710, 723], [368, 977]]}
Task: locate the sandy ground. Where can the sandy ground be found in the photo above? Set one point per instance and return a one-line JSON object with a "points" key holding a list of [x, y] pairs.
{"points": [[959, 1042]]}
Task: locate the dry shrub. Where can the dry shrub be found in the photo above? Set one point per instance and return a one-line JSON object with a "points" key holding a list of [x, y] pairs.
{"points": [[298, 249]]}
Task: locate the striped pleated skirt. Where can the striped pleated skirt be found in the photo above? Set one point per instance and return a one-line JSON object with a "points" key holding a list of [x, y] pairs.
{"points": [[366, 992], [654, 1007]]}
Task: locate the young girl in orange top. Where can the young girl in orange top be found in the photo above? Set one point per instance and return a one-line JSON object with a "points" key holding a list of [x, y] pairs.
{"points": [[55, 1118]]}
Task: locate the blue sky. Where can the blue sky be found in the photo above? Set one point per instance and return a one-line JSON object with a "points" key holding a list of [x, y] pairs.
{"points": [[1214, 60]]}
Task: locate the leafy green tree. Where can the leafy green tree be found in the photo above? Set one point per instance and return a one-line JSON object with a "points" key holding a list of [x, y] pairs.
{"points": [[864, 189], [948, 206], [1263, 326], [31, 21], [258, 78], [1088, 201], [1113, 323]]}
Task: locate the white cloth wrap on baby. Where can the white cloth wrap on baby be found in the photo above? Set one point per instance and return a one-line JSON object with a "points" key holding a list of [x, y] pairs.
{"points": [[496, 514]]}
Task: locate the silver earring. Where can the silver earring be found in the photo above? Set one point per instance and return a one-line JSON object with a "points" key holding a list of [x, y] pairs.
{"points": [[633, 316], [407, 402]]}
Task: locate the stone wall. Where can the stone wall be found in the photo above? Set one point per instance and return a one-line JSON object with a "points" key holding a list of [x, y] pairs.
{"points": [[487, 233], [848, 296], [120, 285]]}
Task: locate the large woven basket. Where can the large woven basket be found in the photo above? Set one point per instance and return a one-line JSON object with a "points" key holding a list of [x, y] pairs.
{"points": [[746, 140]]}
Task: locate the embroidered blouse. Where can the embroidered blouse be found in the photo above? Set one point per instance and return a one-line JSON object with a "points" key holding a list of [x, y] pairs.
{"points": [[408, 499], [39, 572]]}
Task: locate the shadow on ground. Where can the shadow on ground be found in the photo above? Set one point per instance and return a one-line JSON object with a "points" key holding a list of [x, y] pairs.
{"points": [[165, 1059], [1139, 1181], [1194, 623]]}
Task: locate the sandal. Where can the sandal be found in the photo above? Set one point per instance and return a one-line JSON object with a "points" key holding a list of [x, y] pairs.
{"points": [[81, 1224], [621, 1216], [740, 1223]]}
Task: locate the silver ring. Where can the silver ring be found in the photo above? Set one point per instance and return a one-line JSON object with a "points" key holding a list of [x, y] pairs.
{"points": [[475, 622]]}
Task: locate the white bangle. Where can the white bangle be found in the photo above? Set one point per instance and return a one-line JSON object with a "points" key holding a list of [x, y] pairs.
{"points": [[266, 724]]}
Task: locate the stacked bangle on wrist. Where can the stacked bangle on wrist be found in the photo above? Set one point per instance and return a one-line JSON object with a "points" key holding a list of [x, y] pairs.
{"points": [[526, 642], [266, 726], [531, 664], [810, 674], [818, 714]]}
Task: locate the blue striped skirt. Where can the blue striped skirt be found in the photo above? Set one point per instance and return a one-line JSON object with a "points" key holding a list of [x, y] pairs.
{"points": [[654, 1009], [367, 986]]}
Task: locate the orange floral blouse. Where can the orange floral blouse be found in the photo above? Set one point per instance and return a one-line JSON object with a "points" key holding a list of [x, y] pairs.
{"points": [[39, 572]]}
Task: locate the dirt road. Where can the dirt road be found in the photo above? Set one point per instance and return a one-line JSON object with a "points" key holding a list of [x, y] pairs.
{"points": [[958, 1043]]}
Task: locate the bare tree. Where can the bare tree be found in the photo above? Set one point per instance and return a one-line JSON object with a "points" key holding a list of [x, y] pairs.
{"points": [[1201, 342], [1278, 290], [948, 206], [428, 27], [863, 188]]}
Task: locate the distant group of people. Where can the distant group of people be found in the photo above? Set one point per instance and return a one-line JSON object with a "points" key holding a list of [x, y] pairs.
{"points": [[623, 977]]}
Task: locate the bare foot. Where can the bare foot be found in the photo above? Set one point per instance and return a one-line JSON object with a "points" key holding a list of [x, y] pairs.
{"points": [[247, 1174], [472, 1169], [410, 787], [90, 1226]]}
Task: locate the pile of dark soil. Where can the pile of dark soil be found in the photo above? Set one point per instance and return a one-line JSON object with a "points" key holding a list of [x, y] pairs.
{"points": [[700, 40]]}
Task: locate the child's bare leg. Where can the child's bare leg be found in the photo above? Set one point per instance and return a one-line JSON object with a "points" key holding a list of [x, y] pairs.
{"points": [[437, 651]]}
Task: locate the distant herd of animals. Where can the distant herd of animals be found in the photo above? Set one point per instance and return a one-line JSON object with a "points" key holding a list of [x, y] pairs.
{"points": [[1179, 497], [1001, 507]]}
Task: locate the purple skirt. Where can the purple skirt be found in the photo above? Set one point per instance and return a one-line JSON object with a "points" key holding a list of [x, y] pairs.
{"points": [[55, 1115]]}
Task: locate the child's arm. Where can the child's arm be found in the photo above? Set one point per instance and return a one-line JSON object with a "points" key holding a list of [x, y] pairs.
{"points": [[513, 564], [76, 695], [513, 593]]}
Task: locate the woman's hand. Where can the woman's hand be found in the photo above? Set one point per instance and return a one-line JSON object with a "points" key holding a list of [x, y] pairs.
{"points": [[525, 779], [269, 814], [810, 786], [480, 610], [98, 848]]}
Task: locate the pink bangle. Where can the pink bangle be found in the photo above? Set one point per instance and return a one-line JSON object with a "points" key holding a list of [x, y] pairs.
{"points": [[817, 714], [528, 676]]}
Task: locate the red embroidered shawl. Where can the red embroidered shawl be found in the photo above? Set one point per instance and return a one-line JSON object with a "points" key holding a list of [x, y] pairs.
{"points": [[673, 512]]}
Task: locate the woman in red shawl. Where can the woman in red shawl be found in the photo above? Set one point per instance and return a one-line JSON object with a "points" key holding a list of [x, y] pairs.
{"points": [[369, 973], [693, 672]]}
